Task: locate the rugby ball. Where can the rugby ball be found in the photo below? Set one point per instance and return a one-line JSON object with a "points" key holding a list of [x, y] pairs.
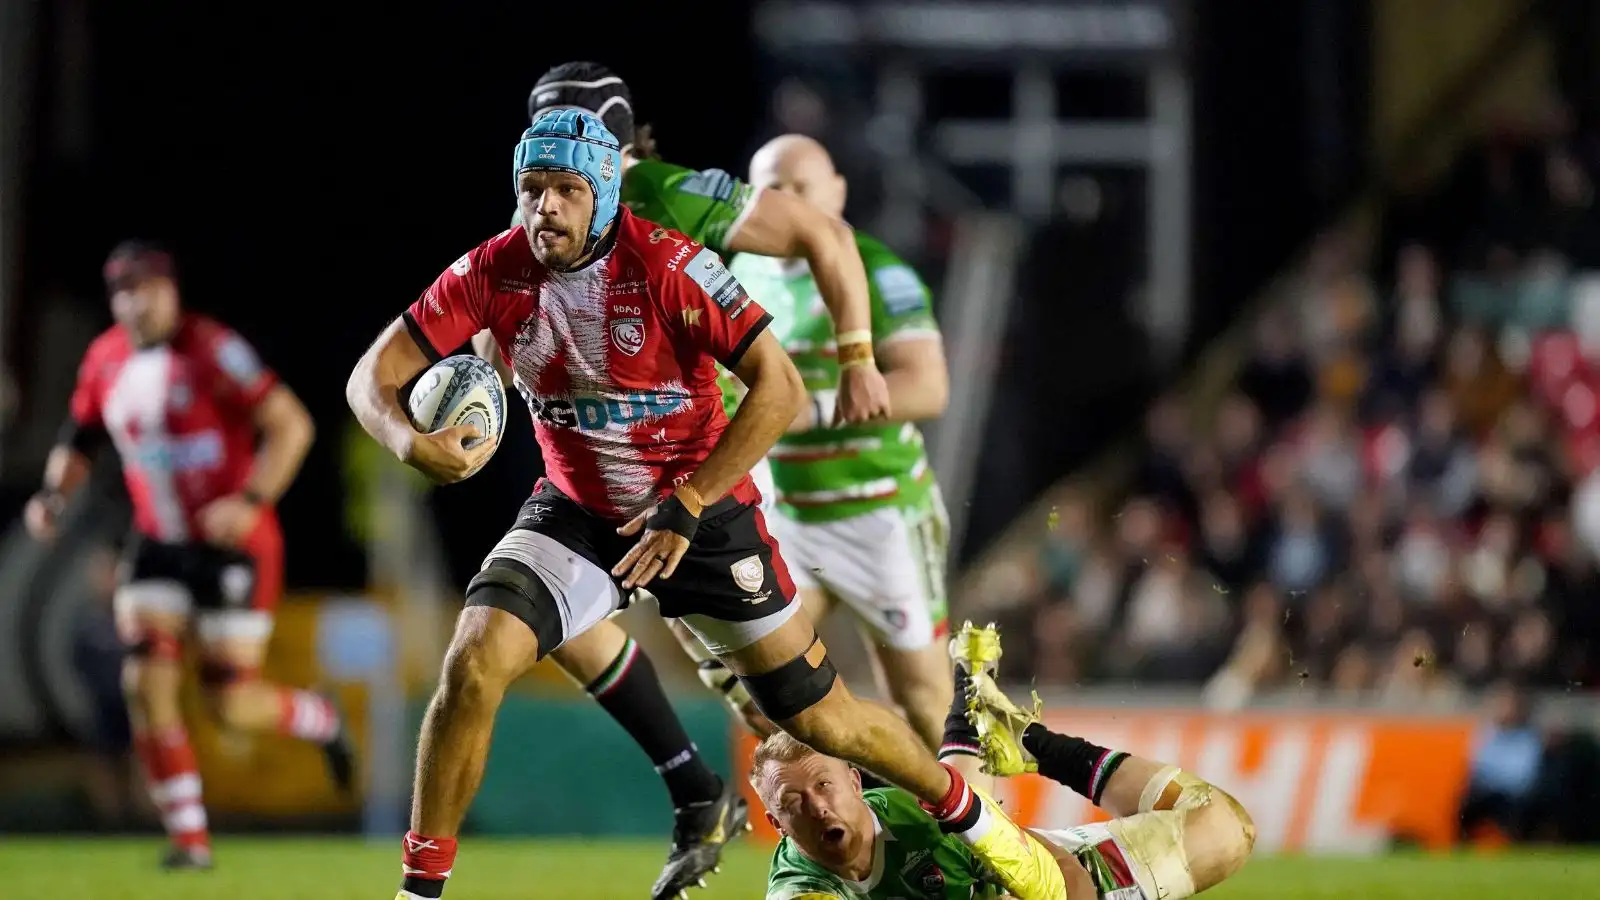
{"points": [[460, 390]]}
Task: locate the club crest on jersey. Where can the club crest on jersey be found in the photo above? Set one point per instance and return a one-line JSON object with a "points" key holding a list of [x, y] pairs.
{"points": [[462, 266], [628, 335], [749, 574], [661, 234], [238, 582]]}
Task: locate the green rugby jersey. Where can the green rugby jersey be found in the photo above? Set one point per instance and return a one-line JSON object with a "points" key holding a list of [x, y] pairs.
{"points": [[703, 205], [911, 860], [828, 474]]}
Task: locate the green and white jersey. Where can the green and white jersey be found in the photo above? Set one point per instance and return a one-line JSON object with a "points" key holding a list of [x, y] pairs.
{"points": [[702, 204], [911, 860], [828, 474]]}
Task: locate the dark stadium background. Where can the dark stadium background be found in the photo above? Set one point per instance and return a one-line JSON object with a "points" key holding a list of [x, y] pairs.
{"points": [[315, 165]]}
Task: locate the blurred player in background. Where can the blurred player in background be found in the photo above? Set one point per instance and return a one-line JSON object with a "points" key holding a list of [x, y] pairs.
{"points": [[615, 324], [1173, 837], [859, 514], [209, 439], [716, 210]]}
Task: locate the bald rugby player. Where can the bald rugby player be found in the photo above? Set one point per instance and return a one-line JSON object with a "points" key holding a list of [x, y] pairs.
{"points": [[858, 511]]}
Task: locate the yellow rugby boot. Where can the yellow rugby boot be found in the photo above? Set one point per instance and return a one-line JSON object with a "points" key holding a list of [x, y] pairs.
{"points": [[1025, 867]]}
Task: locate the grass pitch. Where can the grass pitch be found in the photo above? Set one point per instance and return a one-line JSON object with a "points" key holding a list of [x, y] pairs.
{"points": [[342, 868]]}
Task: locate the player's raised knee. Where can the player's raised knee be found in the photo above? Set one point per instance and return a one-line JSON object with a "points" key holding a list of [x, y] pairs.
{"points": [[1219, 838]]}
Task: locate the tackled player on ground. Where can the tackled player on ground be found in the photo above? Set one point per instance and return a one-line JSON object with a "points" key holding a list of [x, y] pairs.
{"points": [[1174, 836]]}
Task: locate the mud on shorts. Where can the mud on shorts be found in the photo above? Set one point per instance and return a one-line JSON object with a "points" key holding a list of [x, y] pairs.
{"points": [[731, 588]]}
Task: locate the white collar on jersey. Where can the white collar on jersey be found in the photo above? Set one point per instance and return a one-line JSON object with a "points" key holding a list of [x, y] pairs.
{"points": [[880, 836]]}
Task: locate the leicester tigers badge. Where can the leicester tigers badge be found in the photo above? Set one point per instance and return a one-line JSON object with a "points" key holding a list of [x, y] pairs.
{"points": [[238, 583], [627, 335]]}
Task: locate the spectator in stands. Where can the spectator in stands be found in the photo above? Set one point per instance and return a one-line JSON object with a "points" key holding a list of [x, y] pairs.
{"points": [[1505, 766], [1277, 377]]}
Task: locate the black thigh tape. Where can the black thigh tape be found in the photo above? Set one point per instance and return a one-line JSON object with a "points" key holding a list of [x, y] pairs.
{"points": [[791, 688], [511, 586]]}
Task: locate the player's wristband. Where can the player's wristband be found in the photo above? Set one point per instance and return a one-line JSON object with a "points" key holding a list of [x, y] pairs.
{"points": [[855, 348], [671, 515]]}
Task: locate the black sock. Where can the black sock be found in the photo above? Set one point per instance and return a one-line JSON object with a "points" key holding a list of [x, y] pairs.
{"points": [[630, 691], [960, 736], [1071, 761], [423, 887]]}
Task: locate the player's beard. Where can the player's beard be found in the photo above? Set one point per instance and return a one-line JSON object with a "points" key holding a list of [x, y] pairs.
{"points": [[555, 247]]}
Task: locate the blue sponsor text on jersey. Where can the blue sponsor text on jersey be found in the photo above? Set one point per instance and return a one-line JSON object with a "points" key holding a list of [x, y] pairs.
{"points": [[599, 413]]}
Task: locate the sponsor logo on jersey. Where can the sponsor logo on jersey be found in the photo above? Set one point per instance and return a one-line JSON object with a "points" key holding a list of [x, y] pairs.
{"points": [[713, 183], [596, 414], [661, 234], [739, 309], [238, 582], [517, 286], [240, 362], [677, 258], [730, 293], [432, 303], [749, 573], [626, 287], [183, 454], [627, 335], [708, 271], [900, 289], [463, 265]]}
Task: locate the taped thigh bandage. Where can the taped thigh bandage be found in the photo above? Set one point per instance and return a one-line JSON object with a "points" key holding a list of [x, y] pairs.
{"points": [[156, 645], [1192, 792], [511, 586], [219, 673], [1153, 843], [795, 686]]}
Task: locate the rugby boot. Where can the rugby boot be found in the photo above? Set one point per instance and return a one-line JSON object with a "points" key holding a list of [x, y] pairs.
{"points": [[699, 833], [976, 649], [339, 753], [998, 721], [187, 859]]}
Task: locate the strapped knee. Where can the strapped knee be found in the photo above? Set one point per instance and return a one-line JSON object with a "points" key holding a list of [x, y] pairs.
{"points": [[156, 646], [511, 586], [794, 687], [219, 674]]}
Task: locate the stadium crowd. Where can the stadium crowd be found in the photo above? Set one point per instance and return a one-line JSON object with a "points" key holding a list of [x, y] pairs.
{"points": [[1400, 496]]}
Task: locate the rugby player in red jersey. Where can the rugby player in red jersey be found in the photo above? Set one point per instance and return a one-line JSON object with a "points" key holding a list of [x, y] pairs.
{"points": [[613, 327], [209, 439]]}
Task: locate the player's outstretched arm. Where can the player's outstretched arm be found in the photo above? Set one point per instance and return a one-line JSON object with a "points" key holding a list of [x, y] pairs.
{"points": [[774, 397], [373, 393], [780, 224]]}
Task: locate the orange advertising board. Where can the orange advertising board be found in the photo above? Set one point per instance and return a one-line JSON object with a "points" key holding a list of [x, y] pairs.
{"points": [[1313, 781]]}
